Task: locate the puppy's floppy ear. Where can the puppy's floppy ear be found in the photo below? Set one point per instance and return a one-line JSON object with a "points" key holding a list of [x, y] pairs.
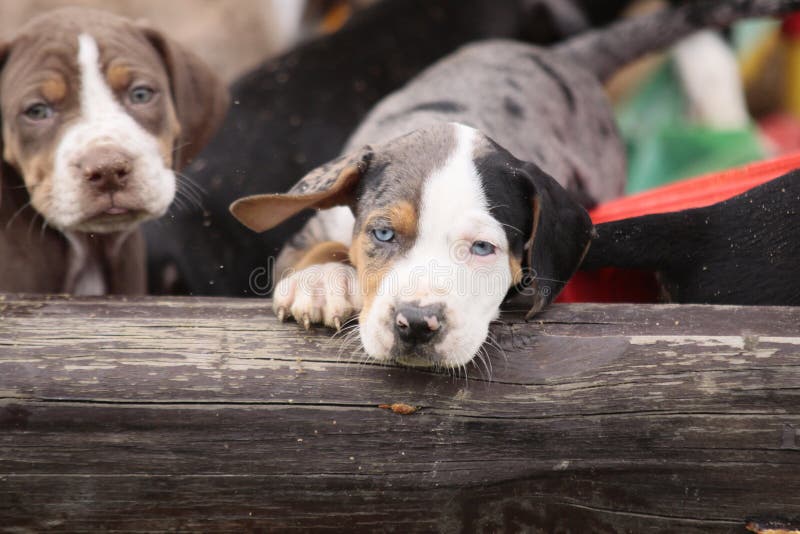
{"points": [[201, 98], [561, 235], [332, 184]]}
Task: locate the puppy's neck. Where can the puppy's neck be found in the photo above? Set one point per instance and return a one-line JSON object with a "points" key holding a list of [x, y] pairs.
{"points": [[99, 264]]}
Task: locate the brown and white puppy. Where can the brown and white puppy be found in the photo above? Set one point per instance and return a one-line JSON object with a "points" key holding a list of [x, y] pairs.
{"points": [[97, 113], [459, 192]]}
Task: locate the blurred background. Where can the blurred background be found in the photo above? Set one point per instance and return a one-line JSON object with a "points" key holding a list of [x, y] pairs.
{"points": [[233, 36], [709, 104]]}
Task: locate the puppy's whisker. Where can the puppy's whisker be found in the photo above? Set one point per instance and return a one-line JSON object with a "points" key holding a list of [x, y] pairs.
{"points": [[512, 227], [43, 228], [550, 279], [483, 358], [492, 342], [350, 342], [17, 213], [31, 225], [177, 148], [191, 198], [182, 194], [191, 190], [179, 205], [345, 330], [348, 345], [191, 183]]}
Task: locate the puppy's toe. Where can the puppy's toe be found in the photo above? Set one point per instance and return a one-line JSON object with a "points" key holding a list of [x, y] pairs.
{"points": [[337, 311], [326, 294], [306, 307], [283, 296]]}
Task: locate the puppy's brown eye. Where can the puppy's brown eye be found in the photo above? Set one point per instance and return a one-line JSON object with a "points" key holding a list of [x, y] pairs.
{"points": [[141, 94], [39, 111]]}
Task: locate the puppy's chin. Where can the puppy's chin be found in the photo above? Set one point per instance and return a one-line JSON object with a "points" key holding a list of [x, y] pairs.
{"points": [[113, 222], [457, 348], [436, 357], [107, 220]]}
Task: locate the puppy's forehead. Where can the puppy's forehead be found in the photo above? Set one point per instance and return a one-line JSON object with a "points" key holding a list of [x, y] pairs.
{"points": [[448, 168], [49, 42], [402, 166]]}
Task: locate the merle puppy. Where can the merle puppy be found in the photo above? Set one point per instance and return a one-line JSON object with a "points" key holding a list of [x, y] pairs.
{"points": [[459, 187], [745, 250], [296, 112]]}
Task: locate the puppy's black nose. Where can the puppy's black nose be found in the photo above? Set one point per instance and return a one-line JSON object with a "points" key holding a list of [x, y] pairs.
{"points": [[106, 168], [418, 324]]}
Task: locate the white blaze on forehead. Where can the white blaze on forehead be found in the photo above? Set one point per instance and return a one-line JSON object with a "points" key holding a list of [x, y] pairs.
{"points": [[449, 193], [96, 97]]}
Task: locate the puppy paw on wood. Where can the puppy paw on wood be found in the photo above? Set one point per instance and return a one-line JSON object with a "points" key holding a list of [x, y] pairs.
{"points": [[324, 293]]}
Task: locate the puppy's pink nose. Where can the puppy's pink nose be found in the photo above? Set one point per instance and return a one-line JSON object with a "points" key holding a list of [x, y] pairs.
{"points": [[106, 168], [416, 325]]}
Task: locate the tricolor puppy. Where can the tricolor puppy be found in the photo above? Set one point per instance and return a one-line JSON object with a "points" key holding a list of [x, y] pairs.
{"points": [[464, 187], [97, 113]]}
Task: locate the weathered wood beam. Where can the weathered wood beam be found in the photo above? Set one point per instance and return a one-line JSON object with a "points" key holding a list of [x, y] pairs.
{"points": [[206, 414]]}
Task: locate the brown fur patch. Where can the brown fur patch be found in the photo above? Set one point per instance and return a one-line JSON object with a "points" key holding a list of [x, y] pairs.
{"points": [[166, 140], [532, 239], [404, 218], [54, 89], [516, 269], [119, 77], [370, 271], [325, 252]]}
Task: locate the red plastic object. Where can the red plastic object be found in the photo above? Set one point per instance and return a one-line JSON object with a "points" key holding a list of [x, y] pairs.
{"points": [[782, 130], [791, 25], [617, 285]]}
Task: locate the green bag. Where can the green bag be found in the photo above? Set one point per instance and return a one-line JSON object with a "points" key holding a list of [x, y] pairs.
{"points": [[664, 145]]}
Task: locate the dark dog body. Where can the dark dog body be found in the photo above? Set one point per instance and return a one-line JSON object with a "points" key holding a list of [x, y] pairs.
{"points": [[745, 250], [297, 111]]}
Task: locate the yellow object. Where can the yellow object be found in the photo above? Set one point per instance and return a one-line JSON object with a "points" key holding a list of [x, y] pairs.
{"points": [[752, 62], [336, 17], [791, 95]]}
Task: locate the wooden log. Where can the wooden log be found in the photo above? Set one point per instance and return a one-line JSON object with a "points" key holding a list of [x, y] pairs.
{"points": [[209, 415]]}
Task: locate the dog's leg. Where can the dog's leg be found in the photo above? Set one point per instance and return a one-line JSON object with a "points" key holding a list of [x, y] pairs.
{"points": [[334, 224], [317, 282], [322, 289]]}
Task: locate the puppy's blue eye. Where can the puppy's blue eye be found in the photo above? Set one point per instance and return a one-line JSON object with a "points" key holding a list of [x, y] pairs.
{"points": [[141, 94], [383, 235], [482, 248], [39, 111]]}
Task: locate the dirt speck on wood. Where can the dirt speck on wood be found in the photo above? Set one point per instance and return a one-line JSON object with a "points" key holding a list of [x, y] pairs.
{"points": [[399, 407]]}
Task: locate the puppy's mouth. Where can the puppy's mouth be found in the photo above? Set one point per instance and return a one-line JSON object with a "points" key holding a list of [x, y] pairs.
{"points": [[418, 361], [112, 218], [116, 210], [424, 357]]}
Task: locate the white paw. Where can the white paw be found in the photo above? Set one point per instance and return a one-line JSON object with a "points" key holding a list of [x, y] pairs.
{"points": [[321, 294]]}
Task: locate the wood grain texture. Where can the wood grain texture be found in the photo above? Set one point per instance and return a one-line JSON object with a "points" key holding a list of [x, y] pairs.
{"points": [[208, 415]]}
